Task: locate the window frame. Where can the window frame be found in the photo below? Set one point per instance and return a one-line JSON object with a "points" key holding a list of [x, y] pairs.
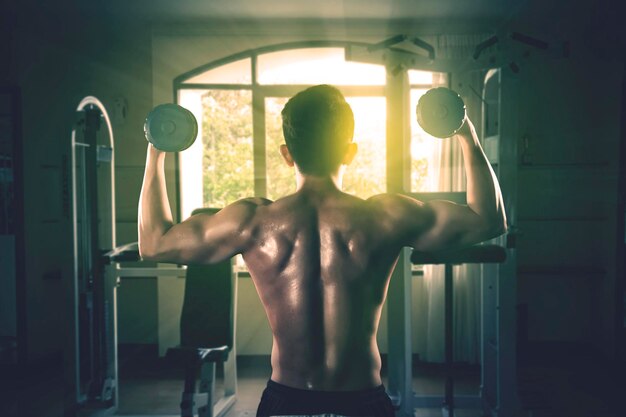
{"points": [[260, 92]]}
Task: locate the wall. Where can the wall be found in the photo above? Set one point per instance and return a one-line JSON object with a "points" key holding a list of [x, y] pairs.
{"points": [[568, 188], [61, 57]]}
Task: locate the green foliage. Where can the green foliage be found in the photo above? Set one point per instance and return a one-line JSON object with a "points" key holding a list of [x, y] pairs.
{"points": [[228, 162], [366, 175], [227, 137], [280, 177], [419, 172]]}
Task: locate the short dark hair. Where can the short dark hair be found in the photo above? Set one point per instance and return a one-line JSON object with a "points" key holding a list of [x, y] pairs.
{"points": [[318, 124]]}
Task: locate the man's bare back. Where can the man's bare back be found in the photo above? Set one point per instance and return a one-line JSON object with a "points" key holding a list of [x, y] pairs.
{"points": [[321, 265]]}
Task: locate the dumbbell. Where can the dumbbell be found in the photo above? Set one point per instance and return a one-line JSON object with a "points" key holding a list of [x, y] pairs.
{"points": [[440, 112], [171, 128]]}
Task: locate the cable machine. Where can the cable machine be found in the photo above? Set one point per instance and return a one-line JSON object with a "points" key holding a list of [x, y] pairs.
{"points": [[499, 57], [93, 234]]}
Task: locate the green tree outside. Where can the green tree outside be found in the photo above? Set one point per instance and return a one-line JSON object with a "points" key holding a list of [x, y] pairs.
{"points": [[228, 162]]}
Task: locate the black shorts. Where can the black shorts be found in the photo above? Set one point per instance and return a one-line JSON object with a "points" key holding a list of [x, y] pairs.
{"points": [[281, 400]]}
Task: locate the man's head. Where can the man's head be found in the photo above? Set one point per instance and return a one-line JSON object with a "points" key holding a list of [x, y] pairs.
{"points": [[318, 126]]}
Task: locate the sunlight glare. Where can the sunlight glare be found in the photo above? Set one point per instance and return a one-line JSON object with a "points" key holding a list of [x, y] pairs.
{"points": [[316, 66]]}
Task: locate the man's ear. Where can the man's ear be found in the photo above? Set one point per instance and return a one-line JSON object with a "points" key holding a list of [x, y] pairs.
{"points": [[350, 153], [284, 151]]}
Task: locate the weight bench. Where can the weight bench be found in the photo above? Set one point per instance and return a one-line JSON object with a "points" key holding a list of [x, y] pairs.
{"points": [[207, 337], [480, 254], [207, 329]]}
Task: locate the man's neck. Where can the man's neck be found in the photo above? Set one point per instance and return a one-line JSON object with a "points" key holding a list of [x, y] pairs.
{"points": [[331, 182]]}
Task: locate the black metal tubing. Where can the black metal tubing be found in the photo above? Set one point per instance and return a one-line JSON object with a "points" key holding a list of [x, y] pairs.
{"points": [[472, 254], [529, 40], [95, 285], [426, 46], [484, 45], [387, 43], [620, 255], [449, 342]]}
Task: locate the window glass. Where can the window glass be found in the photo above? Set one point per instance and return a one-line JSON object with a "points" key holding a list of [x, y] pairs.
{"points": [[425, 153], [420, 77], [366, 175], [312, 66], [280, 177], [219, 169], [227, 160], [238, 72]]}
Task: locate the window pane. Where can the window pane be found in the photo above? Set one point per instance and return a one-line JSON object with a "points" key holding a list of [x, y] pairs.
{"points": [[312, 66], [436, 79], [425, 153], [227, 162], [420, 77], [280, 178], [366, 175], [238, 72]]}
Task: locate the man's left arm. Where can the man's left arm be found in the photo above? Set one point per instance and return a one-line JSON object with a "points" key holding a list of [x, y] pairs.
{"points": [[201, 238]]}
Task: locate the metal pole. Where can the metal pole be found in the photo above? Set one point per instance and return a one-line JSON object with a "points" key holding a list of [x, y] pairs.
{"points": [[448, 316], [400, 376]]}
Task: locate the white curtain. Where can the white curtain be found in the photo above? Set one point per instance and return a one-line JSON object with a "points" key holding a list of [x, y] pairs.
{"points": [[428, 290]]}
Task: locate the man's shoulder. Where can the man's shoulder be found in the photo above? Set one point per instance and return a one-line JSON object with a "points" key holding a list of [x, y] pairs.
{"points": [[400, 209], [390, 201], [244, 209], [254, 201]]}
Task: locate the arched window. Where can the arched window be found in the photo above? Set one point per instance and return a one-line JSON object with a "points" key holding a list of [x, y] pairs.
{"points": [[238, 101]]}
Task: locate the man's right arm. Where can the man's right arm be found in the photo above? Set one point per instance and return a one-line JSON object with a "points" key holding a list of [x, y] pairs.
{"points": [[439, 225]]}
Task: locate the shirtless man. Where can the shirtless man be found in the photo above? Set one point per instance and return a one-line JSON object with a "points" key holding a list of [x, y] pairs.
{"points": [[321, 259]]}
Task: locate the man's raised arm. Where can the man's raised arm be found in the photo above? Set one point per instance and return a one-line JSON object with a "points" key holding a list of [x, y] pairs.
{"points": [[482, 218], [201, 238], [440, 225]]}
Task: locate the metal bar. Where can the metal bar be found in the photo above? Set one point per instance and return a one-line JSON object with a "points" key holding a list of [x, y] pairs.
{"points": [[207, 384], [387, 43], [208, 86], [75, 283], [529, 40], [223, 405], [449, 343], [620, 246], [95, 285], [484, 45], [258, 142], [399, 292], [507, 399], [425, 46], [151, 272]]}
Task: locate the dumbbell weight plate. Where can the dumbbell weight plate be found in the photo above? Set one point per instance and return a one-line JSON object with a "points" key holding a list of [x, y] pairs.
{"points": [[440, 112], [171, 128]]}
